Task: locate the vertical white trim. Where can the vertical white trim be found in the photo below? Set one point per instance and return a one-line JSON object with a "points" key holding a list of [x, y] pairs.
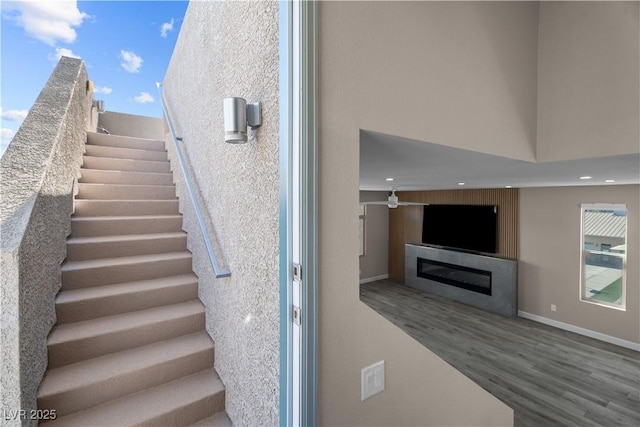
{"points": [[298, 222], [296, 217], [286, 325], [308, 204]]}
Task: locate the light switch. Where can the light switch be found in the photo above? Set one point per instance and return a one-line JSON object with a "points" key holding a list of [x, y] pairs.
{"points": [[372, 380]]}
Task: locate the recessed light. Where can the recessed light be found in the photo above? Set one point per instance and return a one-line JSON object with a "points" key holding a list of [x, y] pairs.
{"points": [[388, 179], [461, 183], [586, 177], [508, 186], [609, 180]]}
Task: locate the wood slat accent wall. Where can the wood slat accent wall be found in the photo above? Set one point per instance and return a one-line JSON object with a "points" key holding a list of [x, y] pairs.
{"points": [[405, 222]]}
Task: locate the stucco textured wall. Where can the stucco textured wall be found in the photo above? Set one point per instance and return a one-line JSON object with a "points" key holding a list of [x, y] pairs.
{"points": [[231, 49], [38, 173]]}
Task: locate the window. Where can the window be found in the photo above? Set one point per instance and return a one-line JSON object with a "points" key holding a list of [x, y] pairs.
{"points": [[603, 255], [363, 211]]}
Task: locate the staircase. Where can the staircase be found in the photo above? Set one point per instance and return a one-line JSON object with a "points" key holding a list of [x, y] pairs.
{"points": [[130, 346]]}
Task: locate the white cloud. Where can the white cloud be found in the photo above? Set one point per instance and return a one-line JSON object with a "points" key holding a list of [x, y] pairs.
{"points": [[60, 52], [130, 61], [166, 27], [13, 115], [102, 89], [143, 98], [48, 21], [7, 134]]}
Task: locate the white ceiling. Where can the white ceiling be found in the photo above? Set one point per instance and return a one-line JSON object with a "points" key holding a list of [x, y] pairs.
{"points": [[418, 165]]}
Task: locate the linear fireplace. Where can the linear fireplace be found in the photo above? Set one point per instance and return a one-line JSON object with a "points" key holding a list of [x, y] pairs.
{"points": [[483, 281], [471, 279]]}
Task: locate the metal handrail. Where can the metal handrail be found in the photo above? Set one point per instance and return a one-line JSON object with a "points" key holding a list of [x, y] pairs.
{"points": [[218, 271]]}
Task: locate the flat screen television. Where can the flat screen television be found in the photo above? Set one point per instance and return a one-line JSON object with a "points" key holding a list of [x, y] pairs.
{"points": [[467, 227]]}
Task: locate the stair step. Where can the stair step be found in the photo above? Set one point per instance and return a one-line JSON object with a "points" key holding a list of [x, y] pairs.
{"points": [[219, 419], [88, 207], [179, 402], [74, 342], [97, 247], [125, 153], [107, 163], [129, 346], [124, 142], [125, 192], [108, 271], [76, 305], [84, 384], [123, 177], [85, 226]]}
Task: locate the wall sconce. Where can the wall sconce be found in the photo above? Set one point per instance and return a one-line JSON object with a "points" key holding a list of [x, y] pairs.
{"points": [[237, 116], [99, 104]]}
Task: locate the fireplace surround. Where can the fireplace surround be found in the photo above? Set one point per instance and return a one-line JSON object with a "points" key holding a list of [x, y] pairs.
{"points": [[483, 281]]}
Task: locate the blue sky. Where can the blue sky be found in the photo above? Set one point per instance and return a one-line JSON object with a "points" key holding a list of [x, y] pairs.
{"points": [[126, 47]]}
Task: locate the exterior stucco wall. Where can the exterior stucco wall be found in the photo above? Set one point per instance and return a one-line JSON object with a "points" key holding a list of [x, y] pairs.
{"points": [[132, 125], [239, 186], [38, 171]]}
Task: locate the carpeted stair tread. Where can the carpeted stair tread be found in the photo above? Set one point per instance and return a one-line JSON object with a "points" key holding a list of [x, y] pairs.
{"points": [[85, 226], [116, 207], [130, 260], [72, 342], [122, 141], [75, 305], [177, 403], [79, 385], [125, 153], [123, 177], [97, 191], [131, 165], [115, 246], [219, 419]]}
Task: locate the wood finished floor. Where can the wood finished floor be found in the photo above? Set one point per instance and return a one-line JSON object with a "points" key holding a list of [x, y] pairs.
{"points": [[550, 377]]}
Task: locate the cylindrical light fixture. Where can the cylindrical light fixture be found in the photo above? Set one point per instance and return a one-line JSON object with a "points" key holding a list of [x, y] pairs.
{"points": [[99, 104], [235, 120]]}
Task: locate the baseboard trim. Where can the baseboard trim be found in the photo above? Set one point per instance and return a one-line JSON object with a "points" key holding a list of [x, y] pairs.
{"points": [[582, 331], [374, 279]]}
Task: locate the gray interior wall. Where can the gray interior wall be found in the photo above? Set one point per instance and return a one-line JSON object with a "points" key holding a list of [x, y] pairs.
{"points": [[239, 186], [131, 125], [375, 261], [588, 85], [38, 173], [549, 266], [461, 74]]}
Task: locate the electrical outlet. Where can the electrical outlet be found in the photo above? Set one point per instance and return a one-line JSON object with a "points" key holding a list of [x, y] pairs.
{"points": [[372, 380], [553, 307]]}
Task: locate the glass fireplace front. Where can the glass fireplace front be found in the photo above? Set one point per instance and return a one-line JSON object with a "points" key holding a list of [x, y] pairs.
{"points": [[468, 278]]}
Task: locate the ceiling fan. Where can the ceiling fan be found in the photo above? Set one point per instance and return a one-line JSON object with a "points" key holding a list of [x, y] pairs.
{"points": [[393, 202]]}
